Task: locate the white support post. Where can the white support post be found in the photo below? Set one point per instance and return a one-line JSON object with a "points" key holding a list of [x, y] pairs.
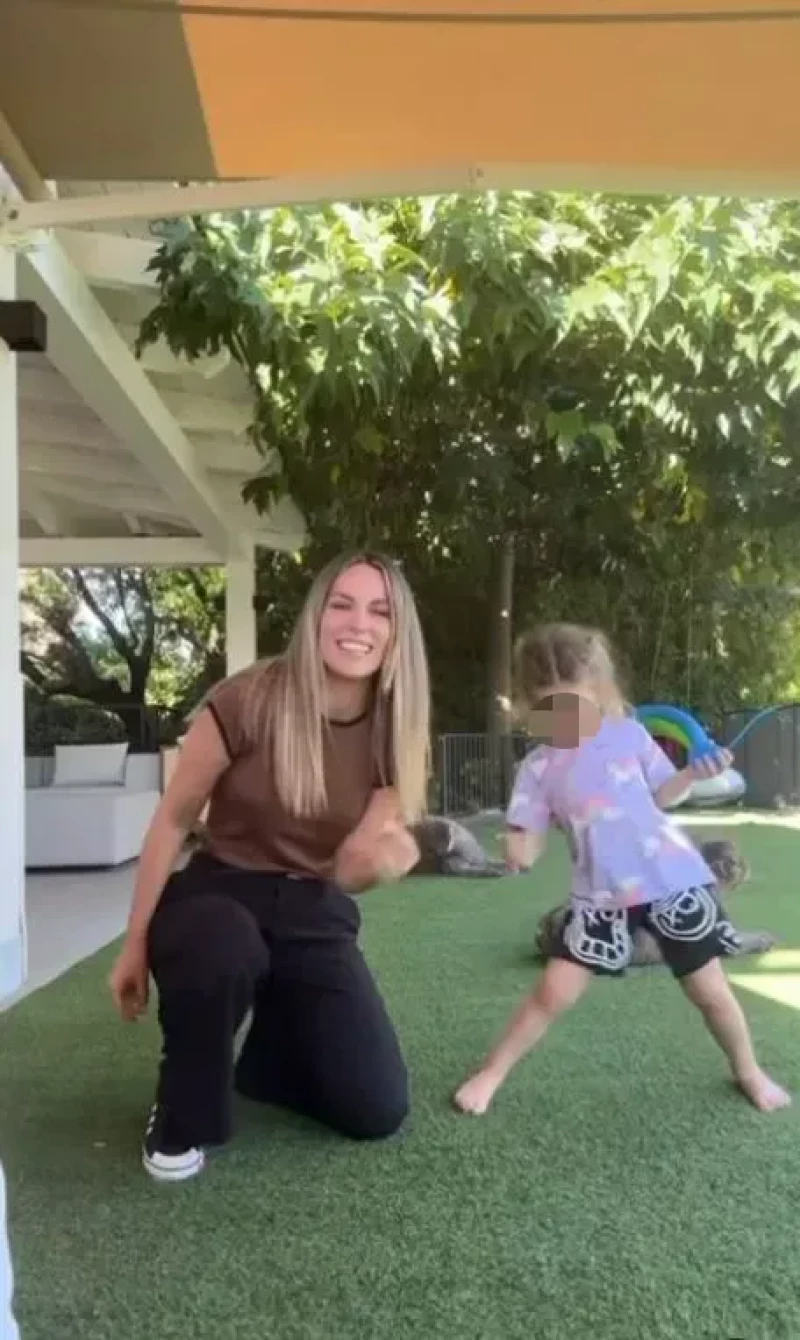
{"points": [[240, 614], [13, 950]]}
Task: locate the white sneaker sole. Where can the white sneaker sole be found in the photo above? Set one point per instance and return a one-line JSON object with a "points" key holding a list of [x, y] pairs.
{"points": [[173, 1170]]}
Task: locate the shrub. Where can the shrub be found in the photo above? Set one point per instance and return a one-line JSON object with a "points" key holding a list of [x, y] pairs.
{"points": [[53, 721]]}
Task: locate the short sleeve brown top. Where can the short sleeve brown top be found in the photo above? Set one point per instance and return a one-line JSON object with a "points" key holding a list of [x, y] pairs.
{"points": [[247, 825]]}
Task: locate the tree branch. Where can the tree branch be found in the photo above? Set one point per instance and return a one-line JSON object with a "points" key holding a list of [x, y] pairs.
{"points": [[31, 668], [122, 597], [196, 581], [119, 643]]}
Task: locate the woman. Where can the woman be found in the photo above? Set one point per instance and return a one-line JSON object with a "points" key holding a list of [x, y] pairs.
{"points": [[314, 764]]}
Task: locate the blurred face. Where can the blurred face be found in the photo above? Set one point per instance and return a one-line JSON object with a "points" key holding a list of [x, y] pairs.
{"points": [[565, 717], [356, 626]]}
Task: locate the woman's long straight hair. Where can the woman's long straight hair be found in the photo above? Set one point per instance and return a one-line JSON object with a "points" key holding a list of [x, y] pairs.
{"points": [[286, 703]]}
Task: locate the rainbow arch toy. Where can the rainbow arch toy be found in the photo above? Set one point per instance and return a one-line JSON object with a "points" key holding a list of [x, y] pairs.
{"points": [[673, 723], [665, 722]]}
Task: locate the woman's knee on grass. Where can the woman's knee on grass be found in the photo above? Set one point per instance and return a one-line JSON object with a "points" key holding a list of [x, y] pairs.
{"points": [[368, 1112], [373, 1120]]}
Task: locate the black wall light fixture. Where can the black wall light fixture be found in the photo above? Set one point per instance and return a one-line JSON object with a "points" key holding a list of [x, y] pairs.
{"points": [[23, 327]]}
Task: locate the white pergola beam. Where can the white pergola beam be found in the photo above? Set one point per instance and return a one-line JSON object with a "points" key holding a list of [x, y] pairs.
{"points": [[85, 346], [48, 426], [162, 202], [194, 413], [22, 218], [53, 454], [118, 551], [41, 508], [102, 498], [228, 456], [159, 360], [109, 260], [70, 461], [209, 414]]}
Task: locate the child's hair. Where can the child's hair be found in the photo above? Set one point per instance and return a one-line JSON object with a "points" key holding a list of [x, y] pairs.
{"points": [[726, 862], [568, 655]]}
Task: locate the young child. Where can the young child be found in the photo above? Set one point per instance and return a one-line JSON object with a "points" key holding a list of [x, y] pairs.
{"points": [[604, 782]]}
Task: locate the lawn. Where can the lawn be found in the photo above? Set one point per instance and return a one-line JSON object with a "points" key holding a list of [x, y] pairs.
{"points": [[619, 1188]]}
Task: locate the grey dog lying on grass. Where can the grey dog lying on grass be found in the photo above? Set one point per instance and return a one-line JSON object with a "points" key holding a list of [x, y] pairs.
{"points": [[448, 848], [730, 869]]}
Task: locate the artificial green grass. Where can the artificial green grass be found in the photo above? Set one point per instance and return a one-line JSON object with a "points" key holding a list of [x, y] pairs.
{"points": [[619, 1188]]}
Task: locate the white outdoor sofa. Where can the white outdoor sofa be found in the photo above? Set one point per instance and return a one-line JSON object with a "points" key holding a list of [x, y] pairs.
{"points": [[91, 805]]}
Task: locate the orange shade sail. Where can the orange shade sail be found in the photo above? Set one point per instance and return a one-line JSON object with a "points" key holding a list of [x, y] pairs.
{"points": [[685, 95]]}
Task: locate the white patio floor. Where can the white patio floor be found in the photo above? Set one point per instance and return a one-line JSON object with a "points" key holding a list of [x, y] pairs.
{"points": [[70, 916]]}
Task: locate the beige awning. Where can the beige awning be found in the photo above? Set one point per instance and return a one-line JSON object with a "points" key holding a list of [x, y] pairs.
{"points": [[688, 94]]}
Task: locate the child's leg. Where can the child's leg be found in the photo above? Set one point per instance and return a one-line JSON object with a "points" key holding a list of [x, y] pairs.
{"points": [[709, 989], [561, 984], [694, 935]]}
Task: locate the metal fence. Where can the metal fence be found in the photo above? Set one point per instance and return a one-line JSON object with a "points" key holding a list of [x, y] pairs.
{"points": [[769, 757], [475, 772]]}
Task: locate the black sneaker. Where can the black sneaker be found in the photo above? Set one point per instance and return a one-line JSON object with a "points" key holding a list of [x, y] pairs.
{"points": [[165, 1155]]}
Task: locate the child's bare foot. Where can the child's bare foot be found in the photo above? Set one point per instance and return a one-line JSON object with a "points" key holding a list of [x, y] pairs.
{"points": [[475, 1096], [762, 1091]]}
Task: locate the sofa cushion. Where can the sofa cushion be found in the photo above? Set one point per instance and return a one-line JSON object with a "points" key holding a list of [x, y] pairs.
{"points": [[90, 765]]}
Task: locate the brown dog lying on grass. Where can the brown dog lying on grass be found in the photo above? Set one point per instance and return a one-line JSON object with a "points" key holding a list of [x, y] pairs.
{"points": [[730, 870]]}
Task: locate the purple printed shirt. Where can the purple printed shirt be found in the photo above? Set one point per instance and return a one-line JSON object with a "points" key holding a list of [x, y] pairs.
{"points": [[625, 850]]}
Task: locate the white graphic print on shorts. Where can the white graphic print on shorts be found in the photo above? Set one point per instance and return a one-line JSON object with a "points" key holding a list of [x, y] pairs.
{"points": [[584, 932], [687, 916]]}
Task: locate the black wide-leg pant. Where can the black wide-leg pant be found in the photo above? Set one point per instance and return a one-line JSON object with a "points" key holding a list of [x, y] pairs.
{"points": [[321, 1042]]}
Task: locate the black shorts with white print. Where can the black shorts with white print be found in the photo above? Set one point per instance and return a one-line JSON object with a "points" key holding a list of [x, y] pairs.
{"points": [[690, 928]]}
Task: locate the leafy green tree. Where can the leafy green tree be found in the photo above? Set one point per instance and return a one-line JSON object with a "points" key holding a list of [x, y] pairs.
{"points": [[136, 640], [586, 403]]}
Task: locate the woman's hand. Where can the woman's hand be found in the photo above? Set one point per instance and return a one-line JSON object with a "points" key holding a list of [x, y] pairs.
{"points": [[381, 856], [396, 852], [130, 980]]}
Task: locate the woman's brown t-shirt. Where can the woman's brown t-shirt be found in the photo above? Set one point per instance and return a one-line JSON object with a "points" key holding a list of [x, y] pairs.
{"points": [[247, 825]]}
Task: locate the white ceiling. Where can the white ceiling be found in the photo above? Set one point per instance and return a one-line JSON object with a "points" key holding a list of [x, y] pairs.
{"points": [[87, 475]]}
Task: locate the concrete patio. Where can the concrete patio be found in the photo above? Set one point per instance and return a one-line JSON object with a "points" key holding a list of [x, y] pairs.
{"points": [[70, 916]]}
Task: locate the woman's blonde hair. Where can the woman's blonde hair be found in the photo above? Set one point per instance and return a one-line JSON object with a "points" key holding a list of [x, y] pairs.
{"points": [[565, 654], [285, 706]]}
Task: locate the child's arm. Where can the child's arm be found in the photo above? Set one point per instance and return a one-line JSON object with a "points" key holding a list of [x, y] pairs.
{"points": [[670, 785], [527, 817], [523, 849], [675, 790]]}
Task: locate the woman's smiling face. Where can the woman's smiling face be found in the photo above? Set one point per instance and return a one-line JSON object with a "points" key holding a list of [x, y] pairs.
{"points": [[356, 625]]}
